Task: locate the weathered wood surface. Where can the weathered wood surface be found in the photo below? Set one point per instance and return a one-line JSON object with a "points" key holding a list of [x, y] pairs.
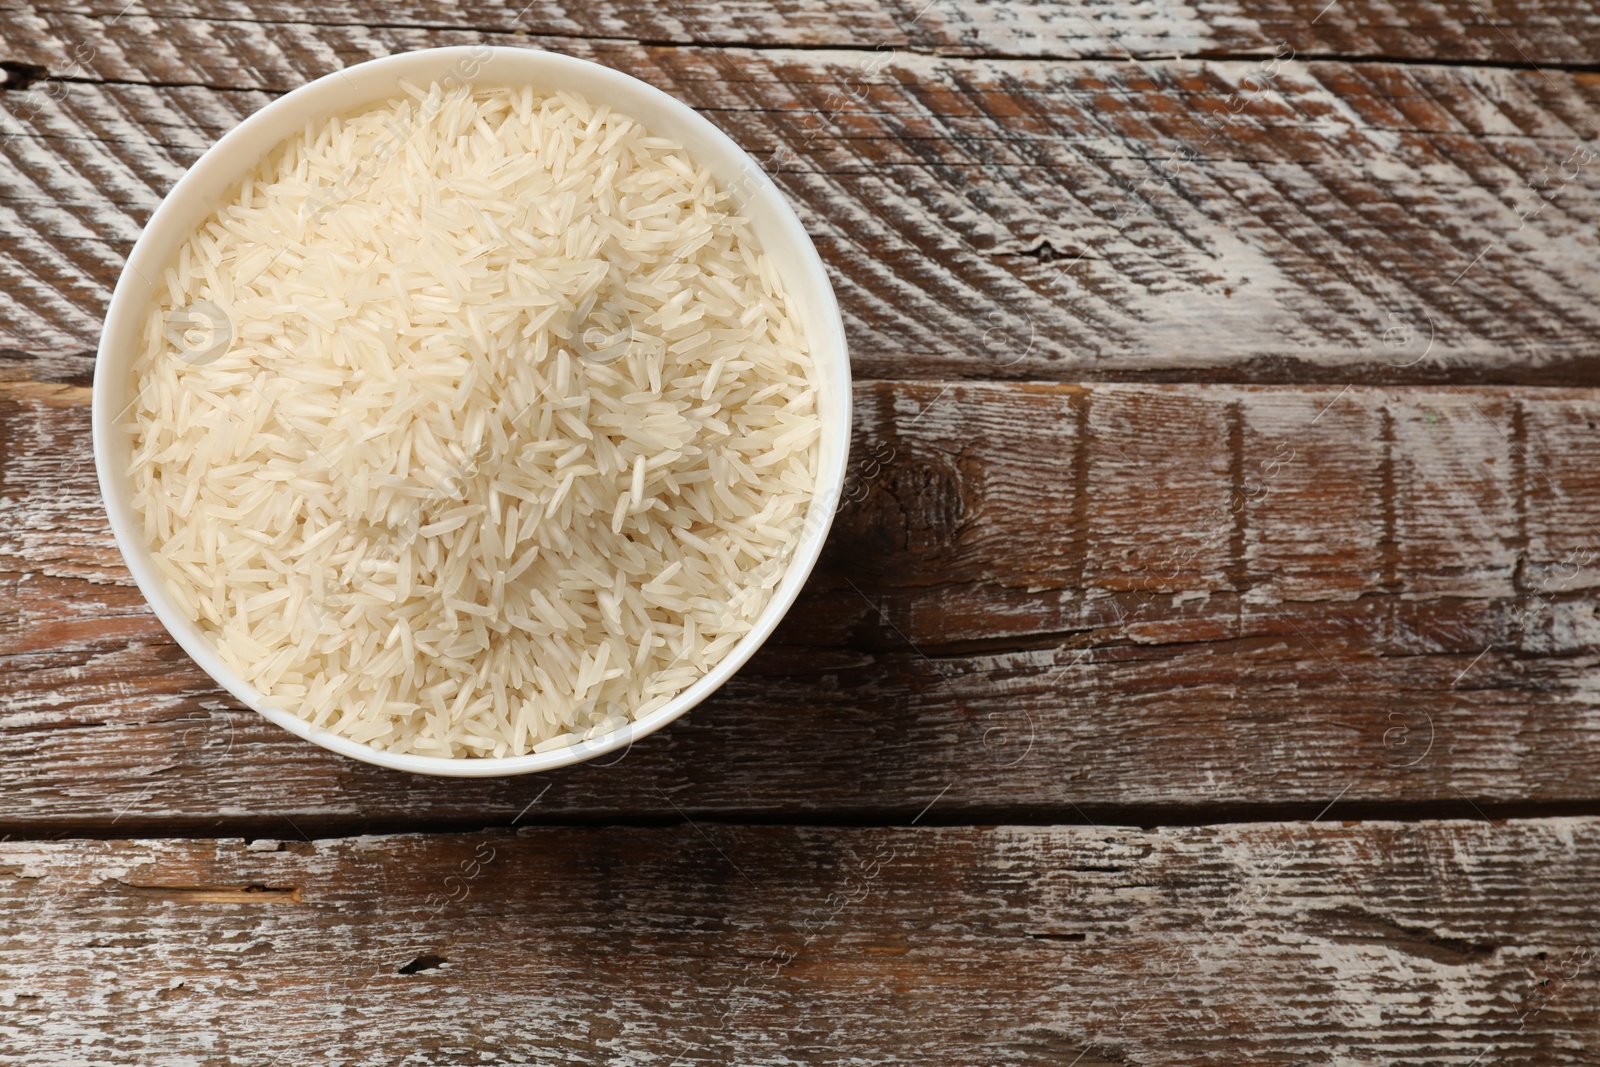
{"points": [[1241, 220], [1058, 594], [1040, 601], [1355, 944], [1544, 33]]}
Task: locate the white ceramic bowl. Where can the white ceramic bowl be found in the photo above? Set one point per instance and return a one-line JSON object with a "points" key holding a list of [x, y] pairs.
{"points": [[215, 173]]}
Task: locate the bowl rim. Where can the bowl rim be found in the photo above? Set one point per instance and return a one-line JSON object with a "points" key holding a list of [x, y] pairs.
{"points": [[757, 194]]}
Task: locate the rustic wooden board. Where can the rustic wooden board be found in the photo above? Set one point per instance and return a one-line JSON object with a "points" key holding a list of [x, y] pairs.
{"points": [[1359, 582], [1545, 33], [1357, 944], [1041, 601], [1233, 220]]}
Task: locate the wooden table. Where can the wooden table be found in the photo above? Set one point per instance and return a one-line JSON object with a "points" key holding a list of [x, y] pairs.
{"points": [[1204, 670]]}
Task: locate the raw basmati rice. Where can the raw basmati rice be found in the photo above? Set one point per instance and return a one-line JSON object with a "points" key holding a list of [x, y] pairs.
{"points": [[496, 435]]}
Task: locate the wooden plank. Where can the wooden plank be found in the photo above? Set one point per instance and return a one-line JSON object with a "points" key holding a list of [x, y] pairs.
{"points": [[1545, 33], [1453, 943], [982, 218], [1040, 600]]}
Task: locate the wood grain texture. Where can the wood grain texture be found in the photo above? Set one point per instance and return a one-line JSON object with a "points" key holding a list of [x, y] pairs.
{"points": [[1233, 220], [1039, 602], [1544, 33], [1359, 581], [1356, 944]]}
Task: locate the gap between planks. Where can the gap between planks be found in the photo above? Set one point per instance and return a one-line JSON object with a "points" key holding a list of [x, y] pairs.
{"points": [[1088, 816]]}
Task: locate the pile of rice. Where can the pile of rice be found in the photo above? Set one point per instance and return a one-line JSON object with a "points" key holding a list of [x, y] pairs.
{"points": [[499, 431]]}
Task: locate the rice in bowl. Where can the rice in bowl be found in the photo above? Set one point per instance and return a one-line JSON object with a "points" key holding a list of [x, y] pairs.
{"points": [[474, 425]]}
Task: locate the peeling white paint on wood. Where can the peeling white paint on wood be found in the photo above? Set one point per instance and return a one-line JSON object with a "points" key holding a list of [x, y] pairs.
{"points": [[1364, 943], [1117, 601], [1553, 33], [1299, 589], [1200, 216]]}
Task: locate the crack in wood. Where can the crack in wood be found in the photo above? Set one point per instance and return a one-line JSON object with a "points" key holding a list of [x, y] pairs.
{"points": [[1238, 566], [423, 963], [1388, 491], [20, 76], [1044, 250]]}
